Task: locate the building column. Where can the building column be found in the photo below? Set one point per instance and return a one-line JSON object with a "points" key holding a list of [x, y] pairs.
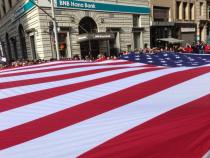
{"points": [[204, 33], [68, 40], [169, 18], [108, 48], [181, 11], [187, 10], [198, 36], [193, 12], [1, 49], [141, 40], [118, 42]]}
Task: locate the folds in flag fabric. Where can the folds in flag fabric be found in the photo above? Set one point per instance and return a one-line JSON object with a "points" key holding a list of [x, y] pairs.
{"points": [[114, 108]]}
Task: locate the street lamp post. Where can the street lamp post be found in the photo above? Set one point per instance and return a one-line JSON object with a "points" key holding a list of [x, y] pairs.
{"points": [[55, 29]]}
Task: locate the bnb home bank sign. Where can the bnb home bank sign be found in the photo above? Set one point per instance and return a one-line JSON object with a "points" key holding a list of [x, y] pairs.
{"points": [[97, 6]]}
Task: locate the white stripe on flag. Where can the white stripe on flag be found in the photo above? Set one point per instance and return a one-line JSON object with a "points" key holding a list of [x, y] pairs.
{"points": [[43, 68], [207, 155], [51, 65], [84, 136], [43, 108], [9, 92], [30, 66], [67, 64]]}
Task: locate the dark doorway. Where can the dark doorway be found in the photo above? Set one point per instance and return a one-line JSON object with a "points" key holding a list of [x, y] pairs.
{"points": [[90, 47], [113, 48], [33, 47], [13, 40], [22, 42], [8, 53], [62, 42]]}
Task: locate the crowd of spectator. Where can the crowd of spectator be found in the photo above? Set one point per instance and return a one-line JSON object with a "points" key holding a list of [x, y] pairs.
{"points": [[198, 48], [18, 63]]}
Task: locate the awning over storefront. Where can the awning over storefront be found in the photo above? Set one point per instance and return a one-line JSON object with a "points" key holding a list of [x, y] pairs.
{"points": [[138, 29], [113, 29], [94, 36], [171, 40], [162, 23]]}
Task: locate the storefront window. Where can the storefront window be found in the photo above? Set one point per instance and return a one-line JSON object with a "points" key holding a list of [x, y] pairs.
{"points": [[136, 22], [136, 36]]}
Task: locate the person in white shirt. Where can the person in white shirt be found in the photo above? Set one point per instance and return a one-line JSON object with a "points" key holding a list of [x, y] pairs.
{"points": [[3, 60]]}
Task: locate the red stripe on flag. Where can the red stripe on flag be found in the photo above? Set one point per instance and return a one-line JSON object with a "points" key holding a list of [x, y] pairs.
{"points": [[55, 78], [70, 116], [24, 99], [182, 132], [62, 68]]}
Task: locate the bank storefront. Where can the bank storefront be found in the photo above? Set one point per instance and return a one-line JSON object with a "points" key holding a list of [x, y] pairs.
{"points": [[85, 28]]}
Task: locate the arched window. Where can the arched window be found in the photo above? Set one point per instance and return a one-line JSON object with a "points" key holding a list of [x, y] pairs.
{"points": [[89, 48], [87, 25]]}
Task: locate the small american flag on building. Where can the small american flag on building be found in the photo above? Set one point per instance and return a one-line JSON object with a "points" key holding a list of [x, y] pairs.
{"points": [[114, 108]]}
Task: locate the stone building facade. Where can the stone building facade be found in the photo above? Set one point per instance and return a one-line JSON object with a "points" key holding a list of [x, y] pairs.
{"points": [[208, 21], [85, 27], [186, 20]]}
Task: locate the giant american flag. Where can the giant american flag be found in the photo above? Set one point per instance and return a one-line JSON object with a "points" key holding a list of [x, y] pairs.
{"points": [[108, 109]]}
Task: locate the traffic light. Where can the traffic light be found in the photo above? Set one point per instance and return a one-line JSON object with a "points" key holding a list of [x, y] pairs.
{"points": [[50, 26]]}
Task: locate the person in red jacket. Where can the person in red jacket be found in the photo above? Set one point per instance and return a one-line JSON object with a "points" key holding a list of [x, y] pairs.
{"points": [[101, 57], [206, 48], [188, 49]]}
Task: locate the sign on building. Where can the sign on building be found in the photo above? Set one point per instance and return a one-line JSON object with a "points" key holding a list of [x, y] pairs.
{"points": [[108, 7], [188, 29]]}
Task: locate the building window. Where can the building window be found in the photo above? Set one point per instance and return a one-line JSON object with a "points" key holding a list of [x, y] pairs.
{"points": [[22, 42], [4, 9], [3, 6], [185, 9], [136, 19], [201, 9], [10, 3], [161, 13], [209, 12]]}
